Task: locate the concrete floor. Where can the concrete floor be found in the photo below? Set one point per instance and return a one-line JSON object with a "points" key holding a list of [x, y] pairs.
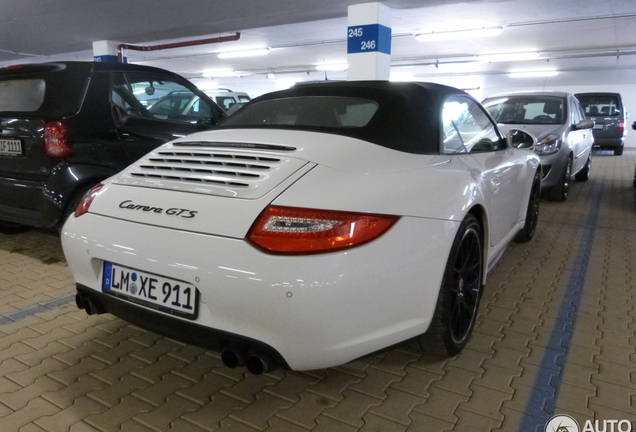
{"points": [[556, 335]]}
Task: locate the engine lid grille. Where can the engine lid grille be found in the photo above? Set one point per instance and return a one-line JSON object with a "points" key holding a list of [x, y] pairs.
{"points": [[228, 172]]}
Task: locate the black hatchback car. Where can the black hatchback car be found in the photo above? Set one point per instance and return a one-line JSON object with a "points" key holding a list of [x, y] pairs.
{"points": [[66, 126], [609, 116]]}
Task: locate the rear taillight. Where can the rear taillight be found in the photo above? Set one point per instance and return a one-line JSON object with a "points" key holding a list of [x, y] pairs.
{"points": [[55, 140], [291, 230], [87, 199], [621, 125]]}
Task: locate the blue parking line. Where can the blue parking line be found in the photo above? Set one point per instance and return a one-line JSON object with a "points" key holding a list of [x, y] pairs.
{"points": [[545, 391], [36, 309]]}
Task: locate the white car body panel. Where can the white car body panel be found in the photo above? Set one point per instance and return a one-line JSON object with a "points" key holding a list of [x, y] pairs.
{"points": [[340, 305]]}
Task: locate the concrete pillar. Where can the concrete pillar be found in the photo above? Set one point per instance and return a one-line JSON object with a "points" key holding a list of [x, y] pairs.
{"points": [[106, 51], [369, 42]]}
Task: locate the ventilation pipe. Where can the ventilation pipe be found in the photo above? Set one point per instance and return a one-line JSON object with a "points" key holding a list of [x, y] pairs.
{"points": [[121, 47]]}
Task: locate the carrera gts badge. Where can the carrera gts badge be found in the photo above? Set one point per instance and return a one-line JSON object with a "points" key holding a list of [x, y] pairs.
{"points": [[173, 211]]}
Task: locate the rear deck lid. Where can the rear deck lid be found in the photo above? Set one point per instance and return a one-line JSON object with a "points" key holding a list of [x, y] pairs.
{"points": [[208, 189]]}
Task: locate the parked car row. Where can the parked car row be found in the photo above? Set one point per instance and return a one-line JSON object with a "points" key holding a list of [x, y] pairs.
{"points": [[311, 227], [563, 133]]}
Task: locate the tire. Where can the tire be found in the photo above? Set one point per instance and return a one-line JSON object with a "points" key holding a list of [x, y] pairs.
{"points": [[532, 214], [459, 295], [584, 174], [618, 151], [560, 192], [13, 228]]}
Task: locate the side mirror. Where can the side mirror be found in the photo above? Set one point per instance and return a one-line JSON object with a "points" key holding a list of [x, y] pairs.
{"points": [[520, 139], [584, 124], [634, 125]]}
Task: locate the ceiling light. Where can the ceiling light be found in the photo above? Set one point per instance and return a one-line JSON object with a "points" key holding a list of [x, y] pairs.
{"points": [[533, 74], [332, 67], [246, 53], [508, 57], [458, 34]]}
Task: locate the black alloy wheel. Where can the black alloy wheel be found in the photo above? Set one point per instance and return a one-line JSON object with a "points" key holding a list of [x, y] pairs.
{"points": [[459, 296], [532, 214], [465, 286]]}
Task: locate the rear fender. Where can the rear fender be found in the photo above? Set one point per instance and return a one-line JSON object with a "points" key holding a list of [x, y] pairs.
{"points": [[63, 183]]}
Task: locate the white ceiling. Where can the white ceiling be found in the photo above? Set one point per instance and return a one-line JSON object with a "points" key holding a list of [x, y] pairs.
{"points": [[570, 35]]}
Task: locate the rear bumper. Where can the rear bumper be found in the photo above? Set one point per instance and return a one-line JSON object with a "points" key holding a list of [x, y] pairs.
{"points": [[609, 142], [23, 202], [185, 331], [313, 311]]}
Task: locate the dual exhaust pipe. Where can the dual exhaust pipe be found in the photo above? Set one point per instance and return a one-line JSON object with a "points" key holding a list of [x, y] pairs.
{"points": [[233, 356], [86, 303], [257, 363]]}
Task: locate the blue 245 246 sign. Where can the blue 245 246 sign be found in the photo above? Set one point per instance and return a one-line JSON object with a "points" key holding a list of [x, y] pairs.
{"points": [[369, 38]]}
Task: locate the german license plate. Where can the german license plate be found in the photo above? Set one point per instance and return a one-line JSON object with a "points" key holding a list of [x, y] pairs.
{"points": [[151, 290], [10, 147], [599, 126]]}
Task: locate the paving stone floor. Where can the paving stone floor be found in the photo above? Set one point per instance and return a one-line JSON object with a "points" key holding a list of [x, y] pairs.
{"points": [[556, 335]]}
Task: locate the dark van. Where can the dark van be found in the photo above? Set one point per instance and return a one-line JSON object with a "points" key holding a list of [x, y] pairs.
{"points": [[66, 126], [608, 114]]}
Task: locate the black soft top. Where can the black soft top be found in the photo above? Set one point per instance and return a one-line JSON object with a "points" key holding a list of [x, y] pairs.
{"points": [[407, 118]]}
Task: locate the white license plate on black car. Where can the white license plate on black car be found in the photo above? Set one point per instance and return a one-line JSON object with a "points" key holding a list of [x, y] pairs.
{"points": [[151, 290], [599, 126], [10, 147]]}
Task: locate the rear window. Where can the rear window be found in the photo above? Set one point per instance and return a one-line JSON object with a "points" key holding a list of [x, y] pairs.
{"points": [[45, 91], [527, 109], [309, 111], [225, 101], [601, 105], [22, 95]]}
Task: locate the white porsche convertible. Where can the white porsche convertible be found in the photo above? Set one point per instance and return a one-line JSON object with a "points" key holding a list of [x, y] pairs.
{"points": [[316, 225]]}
